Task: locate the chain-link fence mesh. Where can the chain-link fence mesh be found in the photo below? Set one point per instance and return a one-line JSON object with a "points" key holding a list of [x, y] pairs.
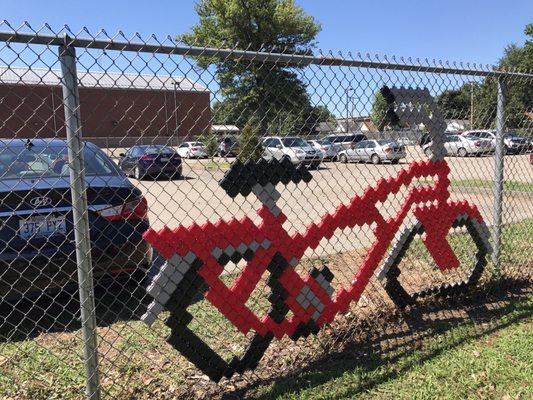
{"points": [[249, 217]]}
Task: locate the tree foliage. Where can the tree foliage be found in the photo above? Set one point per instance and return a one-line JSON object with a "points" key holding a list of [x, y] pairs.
{"points": [[378, 115], [519, 93], [263, 92], [455, 104], [210, 141], [249, 147]]}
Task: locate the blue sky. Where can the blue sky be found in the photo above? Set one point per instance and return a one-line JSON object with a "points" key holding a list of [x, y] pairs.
{"points": [[456, 30]]}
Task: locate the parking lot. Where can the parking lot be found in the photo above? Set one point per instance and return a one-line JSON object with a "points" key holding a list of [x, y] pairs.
{"points": [[197, 197]]}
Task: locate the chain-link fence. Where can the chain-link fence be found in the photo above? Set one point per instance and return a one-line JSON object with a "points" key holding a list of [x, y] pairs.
{"points": [[174, 215]]}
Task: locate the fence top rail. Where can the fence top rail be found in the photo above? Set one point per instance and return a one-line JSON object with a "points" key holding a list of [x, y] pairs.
{"points": [[300, 60]]}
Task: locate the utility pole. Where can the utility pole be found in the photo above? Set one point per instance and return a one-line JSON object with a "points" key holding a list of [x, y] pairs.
{"points": [[472, 106], [175, 136], [348, 90]]}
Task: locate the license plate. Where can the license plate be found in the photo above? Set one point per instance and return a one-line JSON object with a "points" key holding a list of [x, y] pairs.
{"points": [[165, 159], [42, 226]]}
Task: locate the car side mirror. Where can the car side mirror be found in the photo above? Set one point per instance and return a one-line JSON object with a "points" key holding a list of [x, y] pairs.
{"points": [[278, 146], [352, 146], [122, 155]]}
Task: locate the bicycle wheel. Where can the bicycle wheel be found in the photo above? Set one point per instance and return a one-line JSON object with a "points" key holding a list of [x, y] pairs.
{"points": [[400, 279]]}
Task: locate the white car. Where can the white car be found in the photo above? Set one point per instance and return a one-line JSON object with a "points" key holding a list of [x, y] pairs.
{"points": [[375, 151], [294, 148], [463, 146], [329, 150], [192, 150], [512, 142]]}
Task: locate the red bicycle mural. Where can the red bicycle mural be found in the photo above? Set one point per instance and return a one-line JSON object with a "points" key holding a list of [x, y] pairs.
{"points": [[196, 255]]}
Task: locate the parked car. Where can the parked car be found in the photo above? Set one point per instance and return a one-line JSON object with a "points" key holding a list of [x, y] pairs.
{"points": [[296, 149], [375, 151], [405, 141], [228, 146], [345, 140], [513, 143], [329, 150], [37, 249], [192, 150], [463, 146], [150, 160], [516, 144], [426, 138]]}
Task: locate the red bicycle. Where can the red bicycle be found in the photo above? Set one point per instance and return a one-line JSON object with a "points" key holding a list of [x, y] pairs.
{"points": [[196, 255]]}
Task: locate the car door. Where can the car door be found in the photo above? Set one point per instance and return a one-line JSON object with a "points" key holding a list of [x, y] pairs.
{"points": [[452, 145], [356, 151], [276, 148], [362, 149]]}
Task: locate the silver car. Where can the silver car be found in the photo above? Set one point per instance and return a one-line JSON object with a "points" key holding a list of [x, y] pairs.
{"points": [[192, 150], [462, 146], [294, 148], [375, 151], [329, 150]]}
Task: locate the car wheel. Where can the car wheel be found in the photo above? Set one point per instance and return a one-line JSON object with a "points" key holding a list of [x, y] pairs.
{"points": [[137, 173], [343, 159], [375, 159], [285, 157], [462, 152]]}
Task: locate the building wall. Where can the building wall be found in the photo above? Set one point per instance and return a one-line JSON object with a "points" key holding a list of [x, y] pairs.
{"points": [[109, 116]]}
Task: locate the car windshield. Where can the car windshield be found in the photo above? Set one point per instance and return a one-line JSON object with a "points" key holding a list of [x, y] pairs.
{"points": [[323, 141], [46, 161], [294, 142], [157, 150]]}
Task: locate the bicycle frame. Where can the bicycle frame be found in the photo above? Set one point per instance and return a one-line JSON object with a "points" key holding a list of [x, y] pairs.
{"points": [[196, 255]]}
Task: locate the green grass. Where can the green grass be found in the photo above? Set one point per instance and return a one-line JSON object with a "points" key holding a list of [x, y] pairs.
{"points": [[214, 165], [526, 187], [457, 364]]}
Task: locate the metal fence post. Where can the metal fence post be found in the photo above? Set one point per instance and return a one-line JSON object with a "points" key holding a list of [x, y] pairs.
{"points": [[498, 175], [71, 103]]}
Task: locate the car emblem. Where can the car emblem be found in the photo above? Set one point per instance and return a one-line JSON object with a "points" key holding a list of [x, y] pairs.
{"points": [[41, 201]]}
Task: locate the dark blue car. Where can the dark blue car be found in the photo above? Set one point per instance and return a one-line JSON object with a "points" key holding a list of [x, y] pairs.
{"points": [[151, 160], [37, 250]]}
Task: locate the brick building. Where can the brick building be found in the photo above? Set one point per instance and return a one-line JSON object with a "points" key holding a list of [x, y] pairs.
{"points": [[117, 109]]}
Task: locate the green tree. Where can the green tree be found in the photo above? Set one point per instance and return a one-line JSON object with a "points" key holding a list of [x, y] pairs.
{"points": [[250, 147], [378, 114], [210, 141], [258, 91], [455, 104]]}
